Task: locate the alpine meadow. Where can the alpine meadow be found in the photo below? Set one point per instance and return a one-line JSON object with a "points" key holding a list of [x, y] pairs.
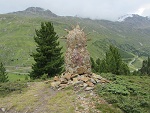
{"points": [[32, 65]]}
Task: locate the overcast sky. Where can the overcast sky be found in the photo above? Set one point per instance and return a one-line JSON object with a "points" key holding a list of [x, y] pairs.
{"points": [[94, 9]]}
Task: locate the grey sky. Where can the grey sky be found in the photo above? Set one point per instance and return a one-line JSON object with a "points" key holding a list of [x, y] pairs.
{"points": [[95, 9]]}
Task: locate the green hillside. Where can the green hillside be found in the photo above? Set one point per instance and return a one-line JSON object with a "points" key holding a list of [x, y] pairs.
{"points": [[17, 43]]}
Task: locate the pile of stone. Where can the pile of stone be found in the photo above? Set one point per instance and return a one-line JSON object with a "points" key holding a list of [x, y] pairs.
{"points": [[77, 58], [85, 81], [77, 63]]}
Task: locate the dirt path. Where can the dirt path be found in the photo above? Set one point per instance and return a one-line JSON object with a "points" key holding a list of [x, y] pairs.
{"points": [[40, 98]]}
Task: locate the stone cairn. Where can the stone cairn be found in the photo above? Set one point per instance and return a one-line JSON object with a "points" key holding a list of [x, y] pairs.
{"points": [[77, 64]]}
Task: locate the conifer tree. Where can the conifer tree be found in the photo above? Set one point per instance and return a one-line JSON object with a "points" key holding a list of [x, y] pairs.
{"points": [[148, 69], [98, 64], [93, 65], [113, 62], [103, 67], [48, 57], [145, 69], [3, 74]]}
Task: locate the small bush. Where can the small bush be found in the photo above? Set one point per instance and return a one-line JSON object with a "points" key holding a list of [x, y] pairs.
{"points": [[117, 89], [9, 87], [127, 108], [3, 74], [144, 103], [44, 77], [130, 94], [26, 78], [105, 108]]}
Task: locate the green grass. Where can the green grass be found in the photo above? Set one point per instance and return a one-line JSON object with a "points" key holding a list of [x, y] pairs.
{"points": [[10, 87], [138, 63], [64, 100], [129, 93], [17, 77], [20, 101], [106, 108]]}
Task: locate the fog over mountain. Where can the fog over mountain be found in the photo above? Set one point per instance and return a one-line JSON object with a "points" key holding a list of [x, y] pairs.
{"points": [[94, 9]]}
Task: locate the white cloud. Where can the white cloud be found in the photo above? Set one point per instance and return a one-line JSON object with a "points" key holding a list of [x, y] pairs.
{"points": [[144, 10], [140, 11]]}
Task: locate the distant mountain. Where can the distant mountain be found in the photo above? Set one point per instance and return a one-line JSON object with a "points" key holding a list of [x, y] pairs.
{"points": [[122, 18], [135, 20], [35, 11], [131, 35]]}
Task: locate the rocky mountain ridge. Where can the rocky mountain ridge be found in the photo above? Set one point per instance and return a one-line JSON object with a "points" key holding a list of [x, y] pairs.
{"points": [[35, 11], [135, 20], [40, 11]]}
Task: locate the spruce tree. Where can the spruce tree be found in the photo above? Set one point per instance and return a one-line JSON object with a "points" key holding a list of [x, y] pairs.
{"points": [[3, 74], [103, 67], [145, 69], [93, 65], [98, 63], [48, 57], [114, 63], [148, 68]]}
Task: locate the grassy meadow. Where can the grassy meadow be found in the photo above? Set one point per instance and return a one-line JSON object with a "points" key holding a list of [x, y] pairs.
{"points": [[17, 77]]}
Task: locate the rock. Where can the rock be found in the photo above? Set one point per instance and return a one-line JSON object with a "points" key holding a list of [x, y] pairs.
{"points": [[74, 75], [55, 84], [80, 83], [63, 85], [63, 81], [3, 109], [89, 88], [60, 88], [89, 83], [96, 76], [80, 70], [67, 76], [75, 81], [93, 81], [104, 81], [88, 75], [69, 82], [97, 80], [85, 79], [107, 81], [85, 85], [48, 81], [56, 78], [70, 70], [91, 93], [35, 95]]}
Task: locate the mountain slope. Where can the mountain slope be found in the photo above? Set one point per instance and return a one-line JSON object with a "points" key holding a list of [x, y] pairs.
{"points": [[35, 12], [17, 30]]}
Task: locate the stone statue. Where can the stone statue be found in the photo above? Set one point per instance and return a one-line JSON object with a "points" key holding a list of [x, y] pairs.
{"points": [[77, 58]]}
